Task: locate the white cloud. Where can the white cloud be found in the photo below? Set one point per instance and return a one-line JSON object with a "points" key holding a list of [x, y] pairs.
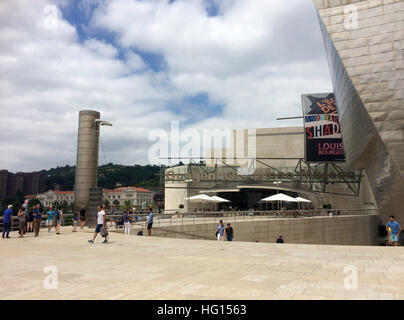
{"points": [[255, 59]]}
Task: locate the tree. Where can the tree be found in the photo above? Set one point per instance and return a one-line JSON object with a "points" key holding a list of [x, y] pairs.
{"points": [[127, 205], [115, 203], [33, 202]]}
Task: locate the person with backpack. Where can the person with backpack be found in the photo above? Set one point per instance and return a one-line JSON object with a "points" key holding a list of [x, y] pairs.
{"points": [[58, 219], [220, 231]]}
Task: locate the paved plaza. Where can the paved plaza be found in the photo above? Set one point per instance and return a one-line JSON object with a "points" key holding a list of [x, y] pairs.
{"points": [[133, 267]]}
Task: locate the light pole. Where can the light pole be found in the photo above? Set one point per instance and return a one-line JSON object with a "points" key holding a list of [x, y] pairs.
{"points": [[277, 188], [188, 182]]}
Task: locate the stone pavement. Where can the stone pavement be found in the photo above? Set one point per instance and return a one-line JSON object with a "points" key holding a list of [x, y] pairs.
{"points": [[132, 267]]}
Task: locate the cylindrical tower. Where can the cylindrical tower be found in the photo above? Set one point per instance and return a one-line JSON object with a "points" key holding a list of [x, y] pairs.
{"points": [[87, 157]]}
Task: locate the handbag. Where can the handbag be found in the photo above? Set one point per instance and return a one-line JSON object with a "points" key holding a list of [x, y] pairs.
{"points": [[103, 232]]}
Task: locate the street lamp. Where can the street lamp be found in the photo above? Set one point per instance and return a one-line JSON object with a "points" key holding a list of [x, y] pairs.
{"points": [[188, 181]]}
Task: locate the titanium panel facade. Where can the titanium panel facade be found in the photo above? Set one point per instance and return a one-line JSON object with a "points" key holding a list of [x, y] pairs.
{"points": [[367, 67]]}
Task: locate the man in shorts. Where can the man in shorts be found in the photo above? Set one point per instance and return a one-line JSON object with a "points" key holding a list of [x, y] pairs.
{"points": [[101, 222], [394, 229], [49, 219]]}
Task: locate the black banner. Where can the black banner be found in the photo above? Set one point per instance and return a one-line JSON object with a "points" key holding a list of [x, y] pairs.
{"points": [[323, 137]]}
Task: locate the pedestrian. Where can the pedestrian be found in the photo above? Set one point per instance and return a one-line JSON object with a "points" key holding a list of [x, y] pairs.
{"points": [[50, 218], [7, 221], [394, 229], [58, 219], [22, 215], [126, 222], [75, 220], [82, 217], [229, 232], [37, 219], [30, 220], [149, 223], [280, 239], [101, 223], [220, 231]]}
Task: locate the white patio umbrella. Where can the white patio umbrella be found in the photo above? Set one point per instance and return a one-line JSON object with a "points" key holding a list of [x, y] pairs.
{"points": [[201, 198], [279, 198], [219, 199], [299, 199]]}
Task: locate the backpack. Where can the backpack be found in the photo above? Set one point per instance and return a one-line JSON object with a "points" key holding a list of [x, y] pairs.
{"points": [[140, 233]]}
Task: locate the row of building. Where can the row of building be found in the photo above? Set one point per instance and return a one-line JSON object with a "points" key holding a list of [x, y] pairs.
{"points": [[114, 197], [26, 183]]}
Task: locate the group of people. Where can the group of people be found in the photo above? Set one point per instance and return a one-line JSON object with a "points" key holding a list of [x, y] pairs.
{"points": [[224, 232], [126, 219], [29, 220]]}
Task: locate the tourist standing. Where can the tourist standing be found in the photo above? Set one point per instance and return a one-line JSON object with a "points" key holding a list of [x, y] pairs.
{"points": [[75, 220], [126, 219], [59, 219], [220, 231], [229, 232], [30, 220], [150, 222], [50, 218], [394, 229], [101, 222], [7, 221], [37, 219], [82, 217], [22, 215]]}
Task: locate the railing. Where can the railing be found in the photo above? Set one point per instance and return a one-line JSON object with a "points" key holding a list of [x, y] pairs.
{"points": [[164, 219], [209, 217]]}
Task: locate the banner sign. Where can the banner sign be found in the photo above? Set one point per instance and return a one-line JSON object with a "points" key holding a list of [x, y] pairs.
{"points": [[323, 139]]}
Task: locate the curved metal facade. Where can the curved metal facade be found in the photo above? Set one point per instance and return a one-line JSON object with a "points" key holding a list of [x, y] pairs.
{"points": [[366, 59]]}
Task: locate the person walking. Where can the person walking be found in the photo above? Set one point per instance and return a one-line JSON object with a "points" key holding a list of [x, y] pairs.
{"points": [[37, 219], [101, 222], [126, 222], [75, 220], [22, 215], [82, 217], [220, 231], [59, 219], [229, 232], [7, 221], [50, 218], [394, 229], [30, 220], [149, 223]]}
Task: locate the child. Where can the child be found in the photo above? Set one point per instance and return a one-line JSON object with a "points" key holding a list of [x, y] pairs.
{"points": [[75, 220]]}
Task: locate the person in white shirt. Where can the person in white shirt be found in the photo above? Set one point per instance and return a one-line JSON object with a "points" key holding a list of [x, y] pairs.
{"points": [[101, 222]]}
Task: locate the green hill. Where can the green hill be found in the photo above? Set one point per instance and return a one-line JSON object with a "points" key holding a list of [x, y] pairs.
{"points": [[109, 176]]}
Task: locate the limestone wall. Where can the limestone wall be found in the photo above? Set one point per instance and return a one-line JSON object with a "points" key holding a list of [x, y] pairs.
{"points": [[342, 230]]}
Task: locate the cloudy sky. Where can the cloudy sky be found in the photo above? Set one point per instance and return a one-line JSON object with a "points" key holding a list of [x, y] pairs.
{"points": [[142, 64]]}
